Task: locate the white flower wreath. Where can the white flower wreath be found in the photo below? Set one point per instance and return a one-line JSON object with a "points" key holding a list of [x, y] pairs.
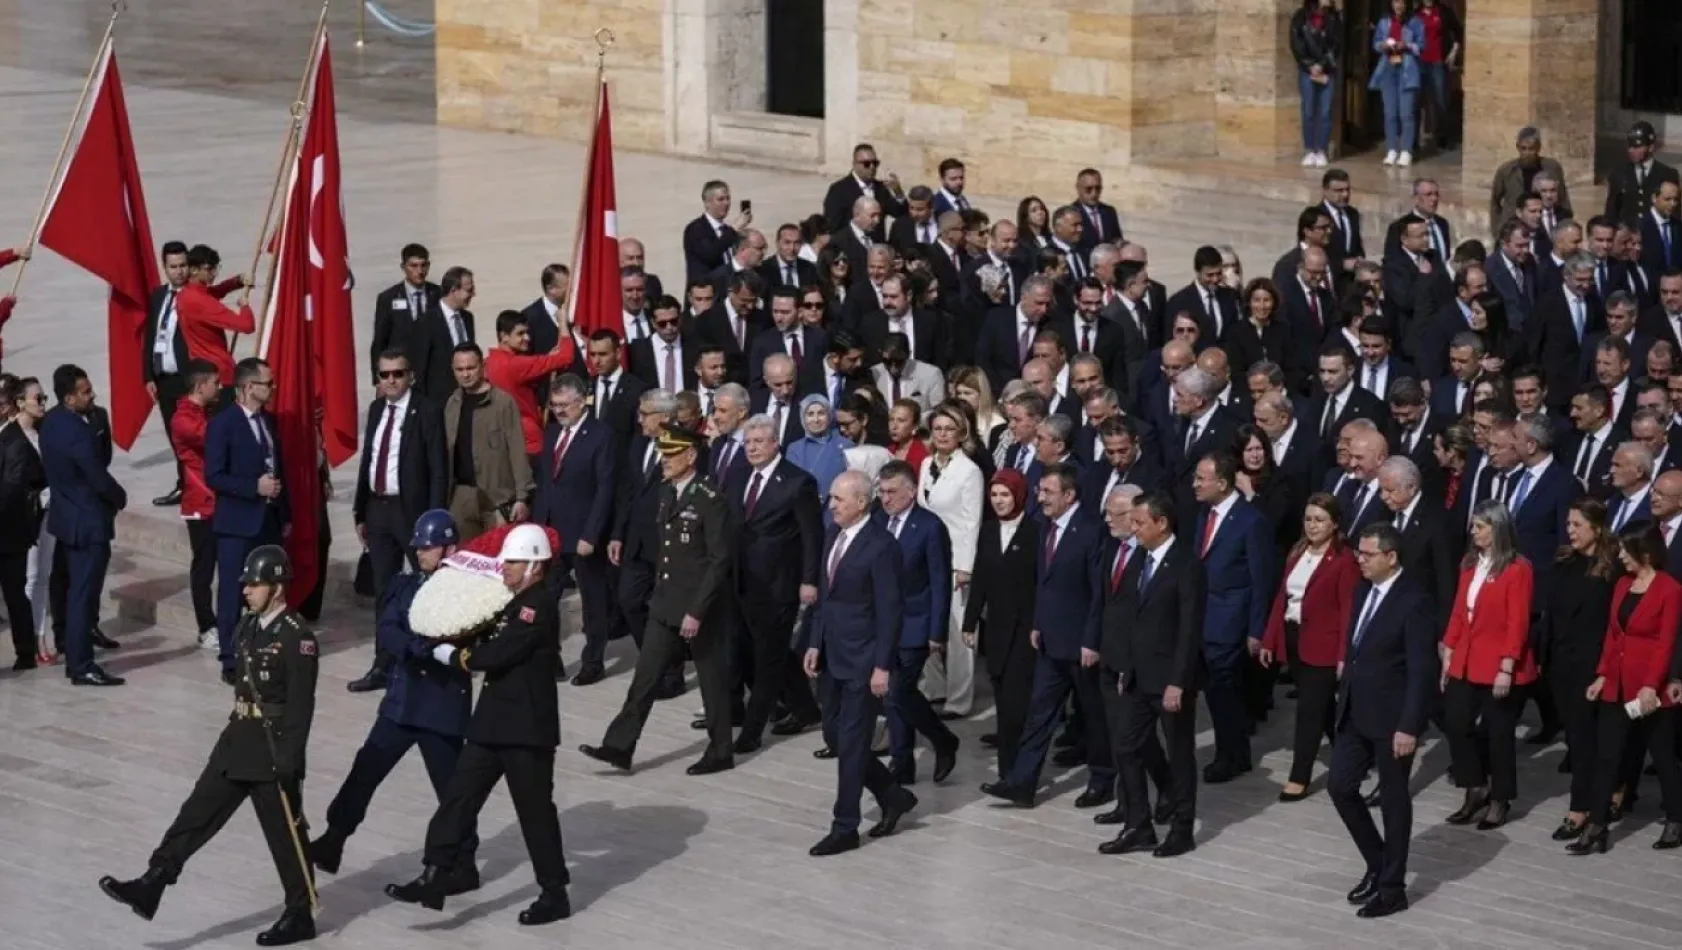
{"points": [[465, 595]]}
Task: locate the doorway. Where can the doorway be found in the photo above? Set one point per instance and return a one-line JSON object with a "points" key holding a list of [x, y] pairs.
{"points": [[1360, 118], [794, 58]]}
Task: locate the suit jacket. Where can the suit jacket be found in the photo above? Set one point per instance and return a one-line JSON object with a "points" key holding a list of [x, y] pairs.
{"points": [[704, 249], [793, 429], [714, 328], [860, 610], [1109, 345], [648, 357], [1108, 221], [423, 473], [1238, 566], [22, 479], [1653, 255], [1429, 554], [930, 345], [999, 603], [1308, 332], [394, 312], [779, 542], [1068, 608], [1390, 678], [1326, 603], [997, 349], [1217, 433], [1554, 344], [1495, 629], [577, 499], [1641, 654], [844, 191], [1189, 299], [1519, 300], [1415, 295], [902, 234], [545, 336], [620, 413], [431, 351], [1438, 223], [925, 576], [1360, 404], [1598, 482], [919, 381], [1578, 609], [1344, 244], [1153, 633], [771, 271], [1640, 344], [1640, 510], [233, 463]]}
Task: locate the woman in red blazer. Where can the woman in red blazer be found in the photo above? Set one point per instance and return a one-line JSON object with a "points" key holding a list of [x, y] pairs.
{"points": [[1486, 665], [1308, 628], [1635, 668]]}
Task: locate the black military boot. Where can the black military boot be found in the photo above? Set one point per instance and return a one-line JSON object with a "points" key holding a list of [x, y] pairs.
{"points": [[426, 890], [141, 894], [463, 878], [294, 926], [549, 907], [327, 851]]}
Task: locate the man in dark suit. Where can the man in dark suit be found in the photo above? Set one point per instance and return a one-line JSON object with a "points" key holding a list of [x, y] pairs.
{"points": [[1068, 614], [1439, 237], [1411, 431], [853, 639], [1211, 303], [632, 254], [666, 360], [545, 315], [1152, 643], [1415, 280], [1311, 312], [402, 305], [926, 584], [1377, 366], [789, 336], [1099, 222], [861, 182], [163, 366], [404, 471], [1086, 331], [925, 331], [779, 522], [1540, 499], [614, 392], [1338, 400], [1236, 545], [947, 258], [82, 516], [1199, 425], [431, 338], [746, 256], [242, 464], [1562, 321], [1007, 336], [1511, 272], [1630, 186], [786, 268], [779, 398], [1345, 247], [1661, 232], [1386, 686], [1123, 462], [575, 485], [918, 227], [1590, 453], [1620, 308], [733, 323], [708, 240], [1427, 547], [1453, 317]]}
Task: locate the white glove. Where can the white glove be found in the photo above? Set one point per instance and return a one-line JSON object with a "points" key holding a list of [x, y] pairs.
{"points": [[444, 653]]}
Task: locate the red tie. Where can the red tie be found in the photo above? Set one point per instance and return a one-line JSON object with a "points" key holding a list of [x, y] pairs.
{"points": [[1314, 308], [835, 556], [560, 453], [385, 448], [1086, 338], [794, 350], [1120, 567], [753, 493], [672, 382], [1209, 531], [1050, 543]]}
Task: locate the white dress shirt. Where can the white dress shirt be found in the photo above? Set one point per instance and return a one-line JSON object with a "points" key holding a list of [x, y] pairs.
{"points": [[388, 419]]}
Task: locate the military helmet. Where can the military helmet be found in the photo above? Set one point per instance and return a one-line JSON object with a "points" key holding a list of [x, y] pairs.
{"points": [[267, 565]]}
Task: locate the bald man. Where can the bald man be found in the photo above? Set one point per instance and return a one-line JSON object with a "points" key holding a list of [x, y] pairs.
{"points": [[633, 254], [1235, 398], [1156, 293]]}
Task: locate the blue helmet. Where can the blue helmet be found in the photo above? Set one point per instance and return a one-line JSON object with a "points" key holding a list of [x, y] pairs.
{"points": [[435, 529]]}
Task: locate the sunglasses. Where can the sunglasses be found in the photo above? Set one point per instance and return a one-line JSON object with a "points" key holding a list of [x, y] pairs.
{"points": [[666, 323], [393, 373], [811, 304], [868, 162]]}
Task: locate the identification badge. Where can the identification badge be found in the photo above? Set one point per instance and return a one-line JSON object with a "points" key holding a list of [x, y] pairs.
{"points": [[399, 303]]}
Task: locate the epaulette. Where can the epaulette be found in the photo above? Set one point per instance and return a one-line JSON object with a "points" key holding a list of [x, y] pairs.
{"points": [[706, 489], [293, 622]]}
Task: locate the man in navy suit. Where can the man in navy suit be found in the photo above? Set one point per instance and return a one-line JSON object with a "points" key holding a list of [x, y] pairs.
{"points": [[1007, 333], [1667, 513], [1631, 476], [1100, 223], [1200, 425], [242, 466], [779, 398], [575, 487], [926, 584], [727, 458], [1236, 544], [1541, 498], [854, 638], [82, 516], [1386, 685], [708, 239], [779, 523], [1068, 617]]}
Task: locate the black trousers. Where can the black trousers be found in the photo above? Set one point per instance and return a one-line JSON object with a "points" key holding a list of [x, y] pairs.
{"points": [[1316, 705], [386, 533], [531, 785], [1353, 755], [210, 804], [202, 571], [14, 572], [385, 746], [1620, 740], [590, 574], [1569, 683], [1013, 693], [910, 712], [1134, 718], [660, 644], [636, 586], [765, 634], [1489, 758], [171, 387]]}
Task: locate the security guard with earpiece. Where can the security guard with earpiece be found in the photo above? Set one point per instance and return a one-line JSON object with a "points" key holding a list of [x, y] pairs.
{"points": [[260, 755]]}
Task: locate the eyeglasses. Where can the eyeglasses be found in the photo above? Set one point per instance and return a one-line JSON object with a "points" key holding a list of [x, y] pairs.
{"points": [[393, 373]]}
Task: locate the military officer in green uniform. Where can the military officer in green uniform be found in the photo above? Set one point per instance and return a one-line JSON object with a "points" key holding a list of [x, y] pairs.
{"points": [[1631, 185], [260, 755], [689, 604]]}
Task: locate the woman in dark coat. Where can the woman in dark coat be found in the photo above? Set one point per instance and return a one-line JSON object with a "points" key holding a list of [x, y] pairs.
{"points": [[22, 480], [1001, 606]]}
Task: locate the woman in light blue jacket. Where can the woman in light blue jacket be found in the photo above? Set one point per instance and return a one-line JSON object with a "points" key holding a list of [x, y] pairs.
{"points": [[1397, 42]]}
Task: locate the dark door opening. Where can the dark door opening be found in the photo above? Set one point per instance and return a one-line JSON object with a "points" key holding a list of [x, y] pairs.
{"points": [[794, 57], [1650, 75]]}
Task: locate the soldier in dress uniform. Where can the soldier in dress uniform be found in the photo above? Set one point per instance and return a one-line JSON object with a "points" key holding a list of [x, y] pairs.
{"points": [[689, 604], [512, 735], [260, 755], [1631, 185], [426, 704]]}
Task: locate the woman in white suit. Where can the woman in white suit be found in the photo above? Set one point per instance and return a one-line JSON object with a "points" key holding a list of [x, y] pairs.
{"points": [[951, 485]]}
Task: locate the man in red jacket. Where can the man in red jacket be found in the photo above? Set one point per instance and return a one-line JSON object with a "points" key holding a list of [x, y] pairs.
{"points": [[186, 432], [206, 320], [513, 369]]}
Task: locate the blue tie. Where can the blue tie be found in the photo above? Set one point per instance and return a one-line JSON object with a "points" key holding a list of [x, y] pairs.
{"points": [[1664, 235], [835, 395], [1145, 575], [1522, 491], [1366, 618]]}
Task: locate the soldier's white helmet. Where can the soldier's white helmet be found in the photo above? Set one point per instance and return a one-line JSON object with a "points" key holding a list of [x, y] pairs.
{"points": [[527, 542]]}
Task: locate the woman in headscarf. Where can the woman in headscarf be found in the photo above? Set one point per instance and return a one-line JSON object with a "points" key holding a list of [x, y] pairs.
{"points": [[821, 451], [1001, 605]]}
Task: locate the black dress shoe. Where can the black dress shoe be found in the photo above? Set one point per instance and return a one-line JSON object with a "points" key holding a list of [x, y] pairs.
{"points": [[1383, 904], [1115, 816], [168, 501], [1010, 793], [326, 852], [1178, 842], [294, 926], [96, 677], [372, 681], [1221, 771], [835, 843], [1495, 816], [1670, 838], [904, 774], [989, 740], [426, 890], [700, 722], [587, 674], [1164, 811], [792, 725], [747, 745], [102, 641], [141, 895], [1372, 800], [1094, 798], [1288, 797], [614, 757], [708, 766], [1595, 839], [1069, 758], [823, 753], [945, 760], [1131, 841], [1476, 801], [1364, 891], [891, 814], [549, 907], [1568, 830]]}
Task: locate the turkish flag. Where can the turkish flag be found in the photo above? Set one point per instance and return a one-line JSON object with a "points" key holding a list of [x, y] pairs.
{"points": [[308, 337], [97, 219], [596, 300]]}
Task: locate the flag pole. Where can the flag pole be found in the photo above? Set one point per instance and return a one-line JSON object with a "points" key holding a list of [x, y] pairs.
{"points": [[293, 130], [117, 8]]}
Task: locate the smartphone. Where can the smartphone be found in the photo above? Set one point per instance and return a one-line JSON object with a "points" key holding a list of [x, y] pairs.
{"points": [[747, 206]]}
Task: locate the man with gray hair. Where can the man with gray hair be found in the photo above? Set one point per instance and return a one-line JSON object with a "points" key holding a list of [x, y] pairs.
{"points": [[1562, 320], [1540, 498], [1202, 426], [1427, 551], [1632, 477], [707, 240], [1007, 336], [730, 410], [1517, 177]]}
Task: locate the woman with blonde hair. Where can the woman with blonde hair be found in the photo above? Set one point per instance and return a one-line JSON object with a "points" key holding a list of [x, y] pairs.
{"points": [[953, 487], [968, 384]]}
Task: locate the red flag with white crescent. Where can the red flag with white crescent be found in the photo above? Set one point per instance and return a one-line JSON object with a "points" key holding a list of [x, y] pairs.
{"points": [[596, 300]]}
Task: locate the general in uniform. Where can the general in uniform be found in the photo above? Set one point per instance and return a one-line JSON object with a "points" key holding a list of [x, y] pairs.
{"points": [[513, 735], [689, 604], [1631, 185], [260, 755]]}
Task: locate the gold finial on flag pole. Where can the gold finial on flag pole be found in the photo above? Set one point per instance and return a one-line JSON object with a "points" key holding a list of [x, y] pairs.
{"points": [[604, 42]]}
